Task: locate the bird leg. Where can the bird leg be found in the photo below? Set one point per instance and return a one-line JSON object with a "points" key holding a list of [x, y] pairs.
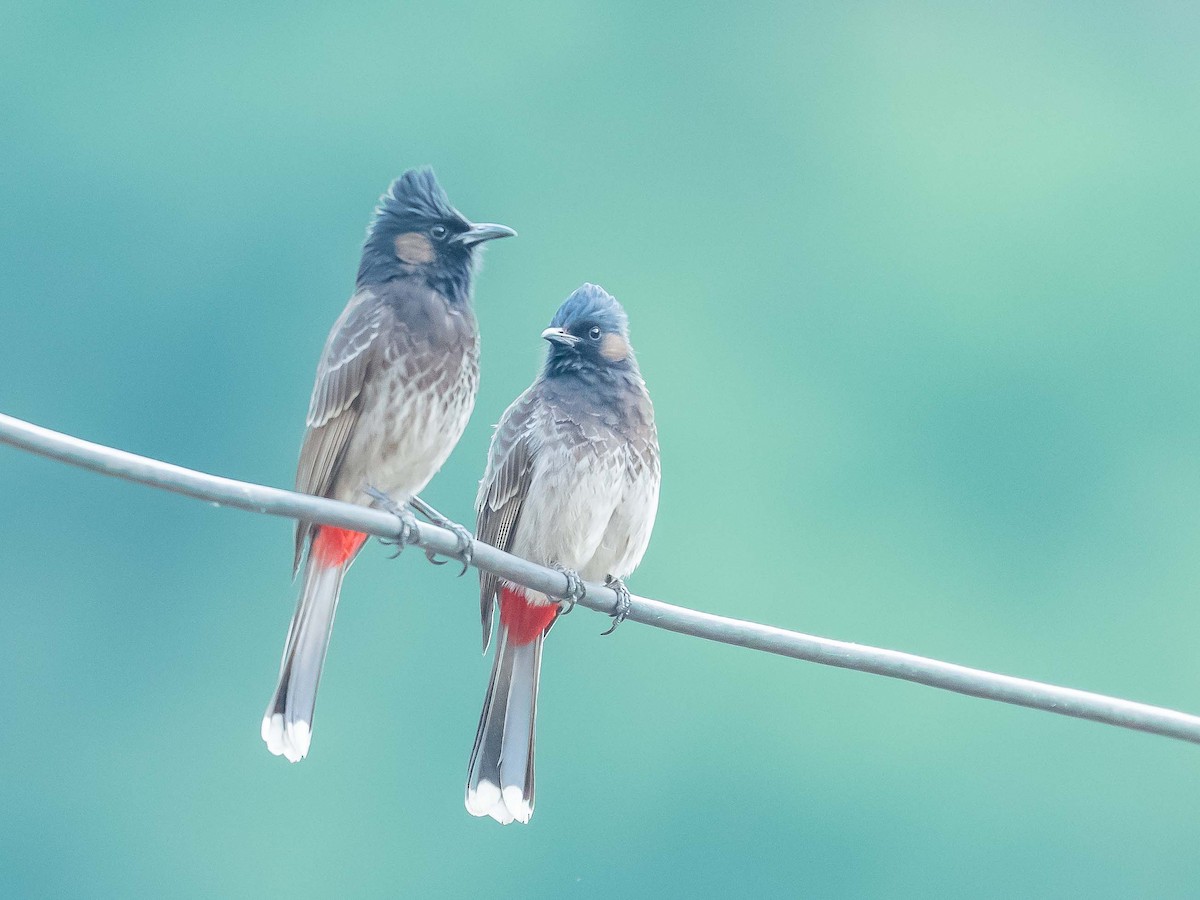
{"points": [[575, 589], [409, 529], [624, 603], [464, 547]]}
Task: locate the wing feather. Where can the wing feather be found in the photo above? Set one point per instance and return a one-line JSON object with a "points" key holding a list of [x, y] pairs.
{"points": [[333, 410], [344, 362], [503, 489]]}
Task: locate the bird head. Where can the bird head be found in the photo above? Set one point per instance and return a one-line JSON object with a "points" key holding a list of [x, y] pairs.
{"points": [[589, 331], [416, 230]]}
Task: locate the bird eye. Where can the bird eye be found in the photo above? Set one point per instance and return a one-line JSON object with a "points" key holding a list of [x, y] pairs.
{"points": [[438, 232], [594, 333]]}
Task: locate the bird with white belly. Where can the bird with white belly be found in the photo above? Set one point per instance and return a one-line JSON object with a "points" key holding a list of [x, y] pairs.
{"points": [[394, 389], [572, 482]]}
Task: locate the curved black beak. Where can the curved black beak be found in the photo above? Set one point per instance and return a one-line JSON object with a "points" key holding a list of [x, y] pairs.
{"points": [[560, 336], [484, 231]]}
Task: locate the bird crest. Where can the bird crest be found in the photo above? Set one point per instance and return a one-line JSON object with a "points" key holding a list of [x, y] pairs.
{"points": [[415, 196], [592, 303]]}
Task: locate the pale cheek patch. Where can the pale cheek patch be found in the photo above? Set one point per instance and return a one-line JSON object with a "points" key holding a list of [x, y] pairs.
{"points": [[414, 249], [613, 348]]}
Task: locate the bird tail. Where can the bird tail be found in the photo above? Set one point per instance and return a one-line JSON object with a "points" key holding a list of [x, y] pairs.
{"points": [[287, 724], [500, 776]]}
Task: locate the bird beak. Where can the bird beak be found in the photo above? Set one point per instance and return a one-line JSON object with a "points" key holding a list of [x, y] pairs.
{"points": [[560, 337], [485, 231]]}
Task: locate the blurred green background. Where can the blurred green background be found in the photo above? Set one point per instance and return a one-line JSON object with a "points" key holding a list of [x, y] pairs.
{"points": [[915, 290]]}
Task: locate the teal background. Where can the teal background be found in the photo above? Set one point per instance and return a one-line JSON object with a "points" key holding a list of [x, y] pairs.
{"points": [[914, 288]]}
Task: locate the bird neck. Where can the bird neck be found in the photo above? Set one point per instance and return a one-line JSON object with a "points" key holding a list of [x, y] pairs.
{"points": [[451, 281], [570, 372]]}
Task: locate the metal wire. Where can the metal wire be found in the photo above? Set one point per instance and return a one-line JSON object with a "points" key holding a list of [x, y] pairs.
{"points": [[875, 660]]}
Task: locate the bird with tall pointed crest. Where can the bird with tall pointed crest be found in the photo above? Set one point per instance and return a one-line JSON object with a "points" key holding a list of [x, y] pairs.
{"points": [[394, 389]]}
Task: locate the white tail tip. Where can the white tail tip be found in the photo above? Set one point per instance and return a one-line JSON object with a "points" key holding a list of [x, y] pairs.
{"points": [[504, 806], [514, 799], [289, 740], [481, 800]]}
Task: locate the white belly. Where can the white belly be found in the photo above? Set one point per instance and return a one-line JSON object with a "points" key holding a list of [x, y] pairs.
{"points": [[628, 533], [403, 437], [587, 513]]}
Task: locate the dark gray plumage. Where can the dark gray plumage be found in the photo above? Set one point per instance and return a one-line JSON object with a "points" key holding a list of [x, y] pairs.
{"points": [[394, 389], [572, 481]]}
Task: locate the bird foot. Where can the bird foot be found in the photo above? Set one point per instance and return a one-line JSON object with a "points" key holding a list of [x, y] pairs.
{"points": [[409, 529], [575, 590], [624, 603], [464, 547]]}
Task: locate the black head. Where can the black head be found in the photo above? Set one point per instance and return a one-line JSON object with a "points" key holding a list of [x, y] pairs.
{"points": [[590, 332], [416, 231]]}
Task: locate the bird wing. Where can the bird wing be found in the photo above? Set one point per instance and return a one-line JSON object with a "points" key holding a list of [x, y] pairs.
{"points": [[333, 410], [504, 487]]}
